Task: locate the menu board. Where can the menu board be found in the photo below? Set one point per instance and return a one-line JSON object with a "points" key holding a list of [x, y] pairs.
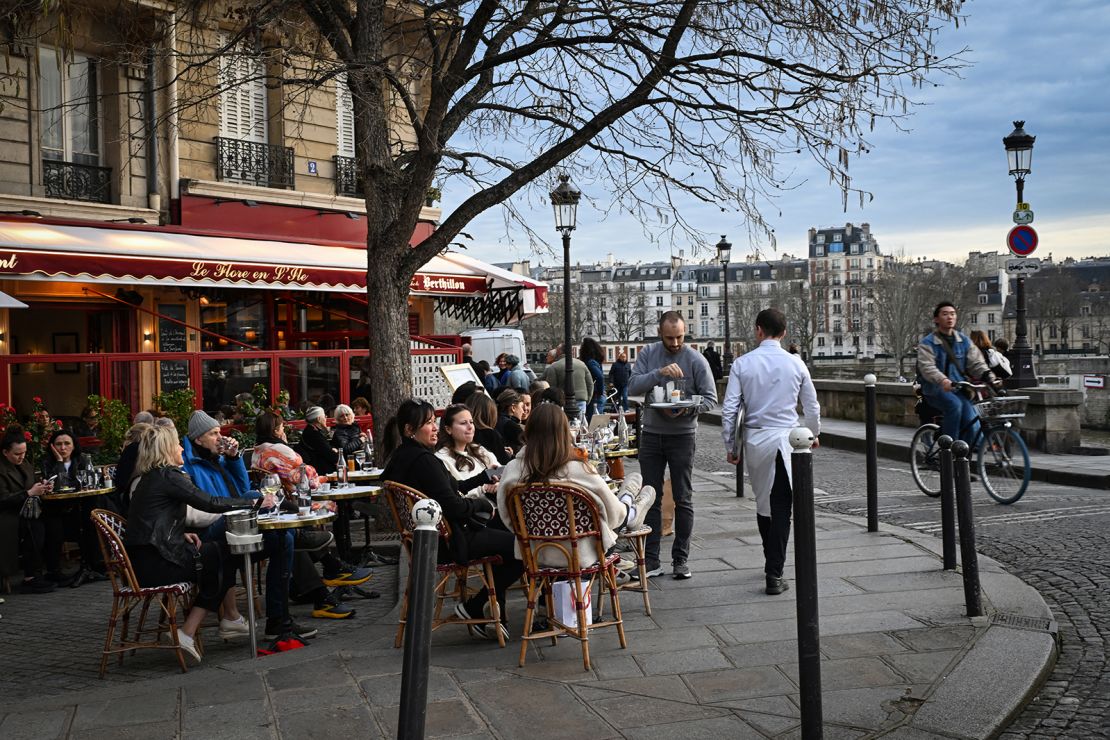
{"points": [[172, 338]]}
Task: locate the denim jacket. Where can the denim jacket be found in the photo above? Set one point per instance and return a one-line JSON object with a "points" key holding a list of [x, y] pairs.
{"points": [[934, 363]]}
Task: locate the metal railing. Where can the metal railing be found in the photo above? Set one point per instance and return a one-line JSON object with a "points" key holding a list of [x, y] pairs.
{"points": [[72, 181], [253, 163], [346, 177]]}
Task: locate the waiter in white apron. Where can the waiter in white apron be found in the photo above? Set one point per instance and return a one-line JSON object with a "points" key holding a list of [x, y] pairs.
{"points": [[767, 384]]}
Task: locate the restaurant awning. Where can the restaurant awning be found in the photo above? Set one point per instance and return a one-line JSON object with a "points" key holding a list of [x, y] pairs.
{"points": [[137, 255]]}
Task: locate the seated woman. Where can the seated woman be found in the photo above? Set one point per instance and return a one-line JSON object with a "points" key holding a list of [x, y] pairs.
{"points": [[466, 461], [316, 445], [549, 457], [510, 408], [273, 454], [64, 459], [360, 406], [410, 438], [40, 539], [161, 551], [64, 463], [346, 435], [484, 412]]}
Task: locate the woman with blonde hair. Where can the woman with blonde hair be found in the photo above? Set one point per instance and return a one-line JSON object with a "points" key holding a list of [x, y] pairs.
{"points": [[161, 551], [548, 457]]}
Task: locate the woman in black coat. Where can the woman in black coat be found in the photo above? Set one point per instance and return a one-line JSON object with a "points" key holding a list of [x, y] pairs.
{"points": [[346, 435], [316, 446], [411, 436], [484, 411], [41, 538], [510, 409], [161, 551]]}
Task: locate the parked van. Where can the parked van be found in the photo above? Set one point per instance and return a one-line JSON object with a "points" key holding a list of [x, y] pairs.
{"points": [[487, 344]]}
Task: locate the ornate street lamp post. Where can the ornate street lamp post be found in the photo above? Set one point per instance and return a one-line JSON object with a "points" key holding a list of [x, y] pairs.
{"points": [[724, 252], [1019, 156], [564, 199]]}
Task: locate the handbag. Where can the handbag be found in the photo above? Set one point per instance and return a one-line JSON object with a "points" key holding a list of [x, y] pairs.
{"points": [[31, 509]]}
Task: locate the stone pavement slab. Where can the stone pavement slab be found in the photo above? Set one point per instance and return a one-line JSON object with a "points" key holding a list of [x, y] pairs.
{"points": [[717, 658]]}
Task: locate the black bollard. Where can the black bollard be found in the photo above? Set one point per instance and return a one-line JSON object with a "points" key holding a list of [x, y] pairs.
{"points": [[947, 502], [805, 573], [869, 404], [968, 557], [418, 627]]}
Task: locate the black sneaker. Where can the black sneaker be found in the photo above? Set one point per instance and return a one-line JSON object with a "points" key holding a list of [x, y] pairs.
{"points": [[485, 630], [776, 586], [275, 628]]}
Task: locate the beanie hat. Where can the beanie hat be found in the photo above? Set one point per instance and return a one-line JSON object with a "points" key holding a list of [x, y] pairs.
{"points": [[313, 412], [512, 360], [199, 423]]}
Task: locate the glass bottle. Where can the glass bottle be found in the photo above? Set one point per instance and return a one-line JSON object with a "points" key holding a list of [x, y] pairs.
{"points": [[341, 469], [304, 493]]}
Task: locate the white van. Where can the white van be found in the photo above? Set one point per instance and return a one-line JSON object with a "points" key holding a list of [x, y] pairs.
{"points": [[487, 344]]}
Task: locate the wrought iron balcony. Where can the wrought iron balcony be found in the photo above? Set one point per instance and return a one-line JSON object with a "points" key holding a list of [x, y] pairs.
{"points": [[346, 177], [72, 181], [253, 163]]}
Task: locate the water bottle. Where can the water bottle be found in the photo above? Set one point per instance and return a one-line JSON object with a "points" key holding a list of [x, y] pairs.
{"points": [[304, 493], [341, 469], [622, 430], [368, 452]]}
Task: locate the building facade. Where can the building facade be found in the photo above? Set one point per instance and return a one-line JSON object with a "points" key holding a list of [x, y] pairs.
{"points": [[844, 265]]}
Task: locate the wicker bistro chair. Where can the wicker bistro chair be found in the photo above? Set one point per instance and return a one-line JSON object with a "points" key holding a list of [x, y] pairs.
{"points": [[553, 519], [401, 499], [127, 594]]}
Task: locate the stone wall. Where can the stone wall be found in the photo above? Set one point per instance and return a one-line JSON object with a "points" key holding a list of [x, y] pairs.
{"points": [[843, 399]]}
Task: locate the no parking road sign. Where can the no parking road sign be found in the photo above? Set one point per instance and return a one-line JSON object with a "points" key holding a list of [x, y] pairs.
{"points": [[1022, 240]]}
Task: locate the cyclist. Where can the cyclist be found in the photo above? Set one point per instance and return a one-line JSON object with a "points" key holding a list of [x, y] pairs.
{"points": [[944, 358]]}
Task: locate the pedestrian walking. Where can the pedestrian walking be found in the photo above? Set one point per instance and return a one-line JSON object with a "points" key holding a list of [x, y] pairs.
{"points": [[769, 382], [713, 357], [668, 437], [619, 374]]}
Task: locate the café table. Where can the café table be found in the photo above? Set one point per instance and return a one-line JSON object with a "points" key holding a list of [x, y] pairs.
{"points": [[615, 458], [88, 538], [354, 476], [283, 522], [345, 498]]}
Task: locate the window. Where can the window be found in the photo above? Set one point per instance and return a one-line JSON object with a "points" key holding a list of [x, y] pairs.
{"points": [[855, 248], [689, 300], [838, 341], [983, 299], [68, 101], [344, 118], [703, 291], [704, 328], [659, 285], [982, 286], [990, 318], [1052, 333], [836, 294], [836, 327], [690, 313], [820, 238], [658, 300], [819, 251], [705, 309], [604, 316], [1084, 310], [243, 97], [1086, 331], [836, 308], [838, 237], [820, 341], [641, 286], [973, 318], [870, 340]]}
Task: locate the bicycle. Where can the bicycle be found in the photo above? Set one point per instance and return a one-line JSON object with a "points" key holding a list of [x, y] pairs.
{"points": [[1002, 458]]}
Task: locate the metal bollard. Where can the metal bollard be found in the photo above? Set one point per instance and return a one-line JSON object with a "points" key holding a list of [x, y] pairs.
{"points": [[968, 557], [805, 573], [869, 405], [947, 502], [418, 628]]}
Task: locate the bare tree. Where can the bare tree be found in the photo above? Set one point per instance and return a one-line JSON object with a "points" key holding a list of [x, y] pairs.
{"points": [[1053, 298], [906, 293], [485, 98], [795, 299], [626, 315]]}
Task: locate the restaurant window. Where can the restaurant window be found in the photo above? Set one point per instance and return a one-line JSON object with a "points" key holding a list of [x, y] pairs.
{"points": [[242, 319]]}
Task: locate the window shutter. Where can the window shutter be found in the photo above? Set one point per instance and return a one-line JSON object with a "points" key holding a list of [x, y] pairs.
{"points": [[242, 96], [344, 118]]}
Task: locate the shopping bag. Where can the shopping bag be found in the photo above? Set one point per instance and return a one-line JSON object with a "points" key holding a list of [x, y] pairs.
{"points": [[668, 509], [565, 612]]}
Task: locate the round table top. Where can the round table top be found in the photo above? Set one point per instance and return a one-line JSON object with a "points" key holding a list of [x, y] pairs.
{"points": [[620, 453], [295, 521], [373, 474], [345, 494], [82, 493]]}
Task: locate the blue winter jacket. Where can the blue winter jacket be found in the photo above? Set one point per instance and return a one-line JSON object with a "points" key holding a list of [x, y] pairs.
{"points": [[207, 478]]}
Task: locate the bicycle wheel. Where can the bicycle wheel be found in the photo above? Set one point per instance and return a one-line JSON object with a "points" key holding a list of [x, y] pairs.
{"points": [[1004, 465], [924, 460]]}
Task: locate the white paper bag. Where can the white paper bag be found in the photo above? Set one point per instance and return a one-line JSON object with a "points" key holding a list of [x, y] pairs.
{"points": [[561, 593]]}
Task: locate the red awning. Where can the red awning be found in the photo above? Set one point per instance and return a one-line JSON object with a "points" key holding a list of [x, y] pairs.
{"points": [[37, 250]]}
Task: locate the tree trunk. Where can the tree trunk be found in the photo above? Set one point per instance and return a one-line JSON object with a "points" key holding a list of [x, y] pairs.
{"points": [[387, 291]]}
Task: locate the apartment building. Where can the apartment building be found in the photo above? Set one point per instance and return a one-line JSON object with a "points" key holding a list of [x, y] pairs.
{"points": [[844, 264]]}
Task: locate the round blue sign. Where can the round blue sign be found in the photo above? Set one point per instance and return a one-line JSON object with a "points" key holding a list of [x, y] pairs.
{"points": [[1022, 240]]}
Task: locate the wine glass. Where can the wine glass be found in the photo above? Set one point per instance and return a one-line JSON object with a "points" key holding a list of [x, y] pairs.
{"points": [[271, 485], [83, 478]]}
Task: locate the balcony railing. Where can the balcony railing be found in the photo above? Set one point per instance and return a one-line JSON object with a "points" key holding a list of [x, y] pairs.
{"points": [[346, 177], [253, 163], [72, 181]]}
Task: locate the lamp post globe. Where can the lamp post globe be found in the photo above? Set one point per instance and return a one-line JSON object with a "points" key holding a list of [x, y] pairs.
{"points": [[1019, 162], [724, 254], [564, 201]]}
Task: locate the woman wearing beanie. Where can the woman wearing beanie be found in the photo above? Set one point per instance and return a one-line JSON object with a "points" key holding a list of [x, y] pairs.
{"points": [[315, 445]]}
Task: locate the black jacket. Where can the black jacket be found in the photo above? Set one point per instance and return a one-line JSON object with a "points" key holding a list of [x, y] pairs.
{"points": [[512, 431], [65, 479], [415, 466], [157, 513], [619, 374], [317, 451], [15, 481], [346, 437], [492, 440]]}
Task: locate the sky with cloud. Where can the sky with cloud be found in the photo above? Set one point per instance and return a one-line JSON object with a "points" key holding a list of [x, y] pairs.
{"points": [[941, 188]]}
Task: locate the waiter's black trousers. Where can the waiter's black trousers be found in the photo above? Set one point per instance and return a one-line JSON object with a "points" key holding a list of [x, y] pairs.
{"points": [[774, 530]]}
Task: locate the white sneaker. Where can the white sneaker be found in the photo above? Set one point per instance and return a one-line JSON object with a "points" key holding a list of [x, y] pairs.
{"points": [[188, 645], [230, 629], [642, 502]]}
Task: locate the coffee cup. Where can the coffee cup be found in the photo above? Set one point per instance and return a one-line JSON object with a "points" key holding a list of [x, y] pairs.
{"points": [[695, 399], [657, 393], [304, 511], [325, 487]]}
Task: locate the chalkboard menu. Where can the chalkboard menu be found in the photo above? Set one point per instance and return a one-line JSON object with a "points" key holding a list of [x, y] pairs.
{"points": [[172, 338]]}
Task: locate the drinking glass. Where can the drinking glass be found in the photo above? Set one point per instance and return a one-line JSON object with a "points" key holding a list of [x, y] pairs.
{"points": [[271, 485]]}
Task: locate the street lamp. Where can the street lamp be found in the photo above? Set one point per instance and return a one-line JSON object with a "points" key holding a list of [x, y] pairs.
{"points": [[1019, 158], [724, 252], [564, 199]]}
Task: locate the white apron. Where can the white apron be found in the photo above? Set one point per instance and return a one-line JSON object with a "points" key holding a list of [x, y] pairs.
{"points": [[760, 447]]}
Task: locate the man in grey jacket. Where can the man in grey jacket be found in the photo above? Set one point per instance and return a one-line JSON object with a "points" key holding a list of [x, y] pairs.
{"points": [[668, 434], [583, 382]]}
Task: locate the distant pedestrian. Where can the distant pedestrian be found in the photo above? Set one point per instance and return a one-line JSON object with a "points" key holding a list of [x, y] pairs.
{"points": [[581, 381], [619, 373], [713, 357], [516, 378], [591, 353], [769, 382]]}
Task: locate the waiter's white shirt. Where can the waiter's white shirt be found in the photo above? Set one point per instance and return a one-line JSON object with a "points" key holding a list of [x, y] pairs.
{"points": [[771, 382]]}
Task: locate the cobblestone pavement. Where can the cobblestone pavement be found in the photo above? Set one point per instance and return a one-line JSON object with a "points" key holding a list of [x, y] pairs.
{"points": [[32, 626], [1056, 539]]}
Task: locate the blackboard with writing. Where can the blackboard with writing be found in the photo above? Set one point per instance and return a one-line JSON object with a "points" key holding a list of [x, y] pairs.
{"points": [[171, 335], [172, 338]]}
